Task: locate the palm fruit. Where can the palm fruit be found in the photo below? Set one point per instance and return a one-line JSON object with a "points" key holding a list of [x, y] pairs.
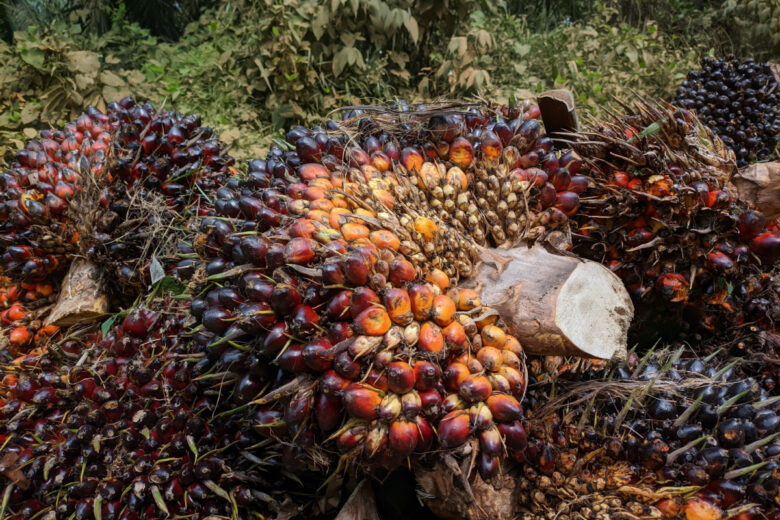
{"points": [[129, 422], [739, 101], [663, 436], [658, 212], [109, 186]]}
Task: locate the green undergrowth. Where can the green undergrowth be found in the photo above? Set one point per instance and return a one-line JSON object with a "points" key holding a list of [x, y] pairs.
{"points": [[252, 67]]}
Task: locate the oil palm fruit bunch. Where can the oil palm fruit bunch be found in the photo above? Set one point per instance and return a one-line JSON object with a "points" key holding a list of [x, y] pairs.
{"points": [[126, 425], [107, 186], [657, 212], [336, 262], [666, 435], [740, 101]]}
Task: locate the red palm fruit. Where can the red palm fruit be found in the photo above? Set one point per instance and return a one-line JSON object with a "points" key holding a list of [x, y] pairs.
{"points": [[767, 246], [358, 157], [311, 171], [514, 435], [304, 319], [454, 429], [290, 360], [475, 388], [467, 299], [728, 490], [455, 337], [390, 407], [297, 410], [377, 379], [19, 337], [504, 408], [138, 324], [431, 338], [278, 336], [328, 412], [403, 437], [719, 262], [421, 296], [488, 466], [499, 383], [338, 306], [426, 375], [490, 358], [443, 310], [380, 161], [461, 153], [362, 298], [356, 269], [673, 287], [398, 305], [373, 321], [750, 224], [490, 146], [430, 403], [284, 298], [318, 355], [299, 251], [515, 378], [384, 239], [302, 228], [400, 377], [454, 376], [362, 401], [490, 442], [332, 383], [411, 159], [548, 195], [268, 422], [568, 202], [352, 438], [401, 271], [425, 434], [670, 507], [346, 366], [699, 509]]}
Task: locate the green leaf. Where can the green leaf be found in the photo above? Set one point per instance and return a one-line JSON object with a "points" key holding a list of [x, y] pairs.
{"points": [[33, 56]]}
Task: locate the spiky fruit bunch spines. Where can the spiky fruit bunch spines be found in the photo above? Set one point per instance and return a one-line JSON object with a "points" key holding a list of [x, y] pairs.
{"points": [[739, 100], [108, 186], [658, 213], [667, 432]]}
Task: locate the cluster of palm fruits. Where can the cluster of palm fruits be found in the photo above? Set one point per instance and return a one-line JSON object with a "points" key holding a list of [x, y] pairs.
{"points": [[659, 214], [664, 436], [339, 273], [128, 426], [740, 101], [324, 319], [105, 186]]}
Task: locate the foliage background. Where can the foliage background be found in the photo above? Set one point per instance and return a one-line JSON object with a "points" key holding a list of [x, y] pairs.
{"points": [[251, 67]]}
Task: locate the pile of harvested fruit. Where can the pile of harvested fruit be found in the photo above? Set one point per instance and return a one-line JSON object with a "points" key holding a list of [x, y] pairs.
{"points": [[369, 297]]}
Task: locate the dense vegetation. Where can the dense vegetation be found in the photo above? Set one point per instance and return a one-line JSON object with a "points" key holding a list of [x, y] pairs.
{"points": [[252, 66]]}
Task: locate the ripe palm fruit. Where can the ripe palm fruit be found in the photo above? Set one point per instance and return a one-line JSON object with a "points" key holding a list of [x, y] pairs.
{"points": [[667, 225]]}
